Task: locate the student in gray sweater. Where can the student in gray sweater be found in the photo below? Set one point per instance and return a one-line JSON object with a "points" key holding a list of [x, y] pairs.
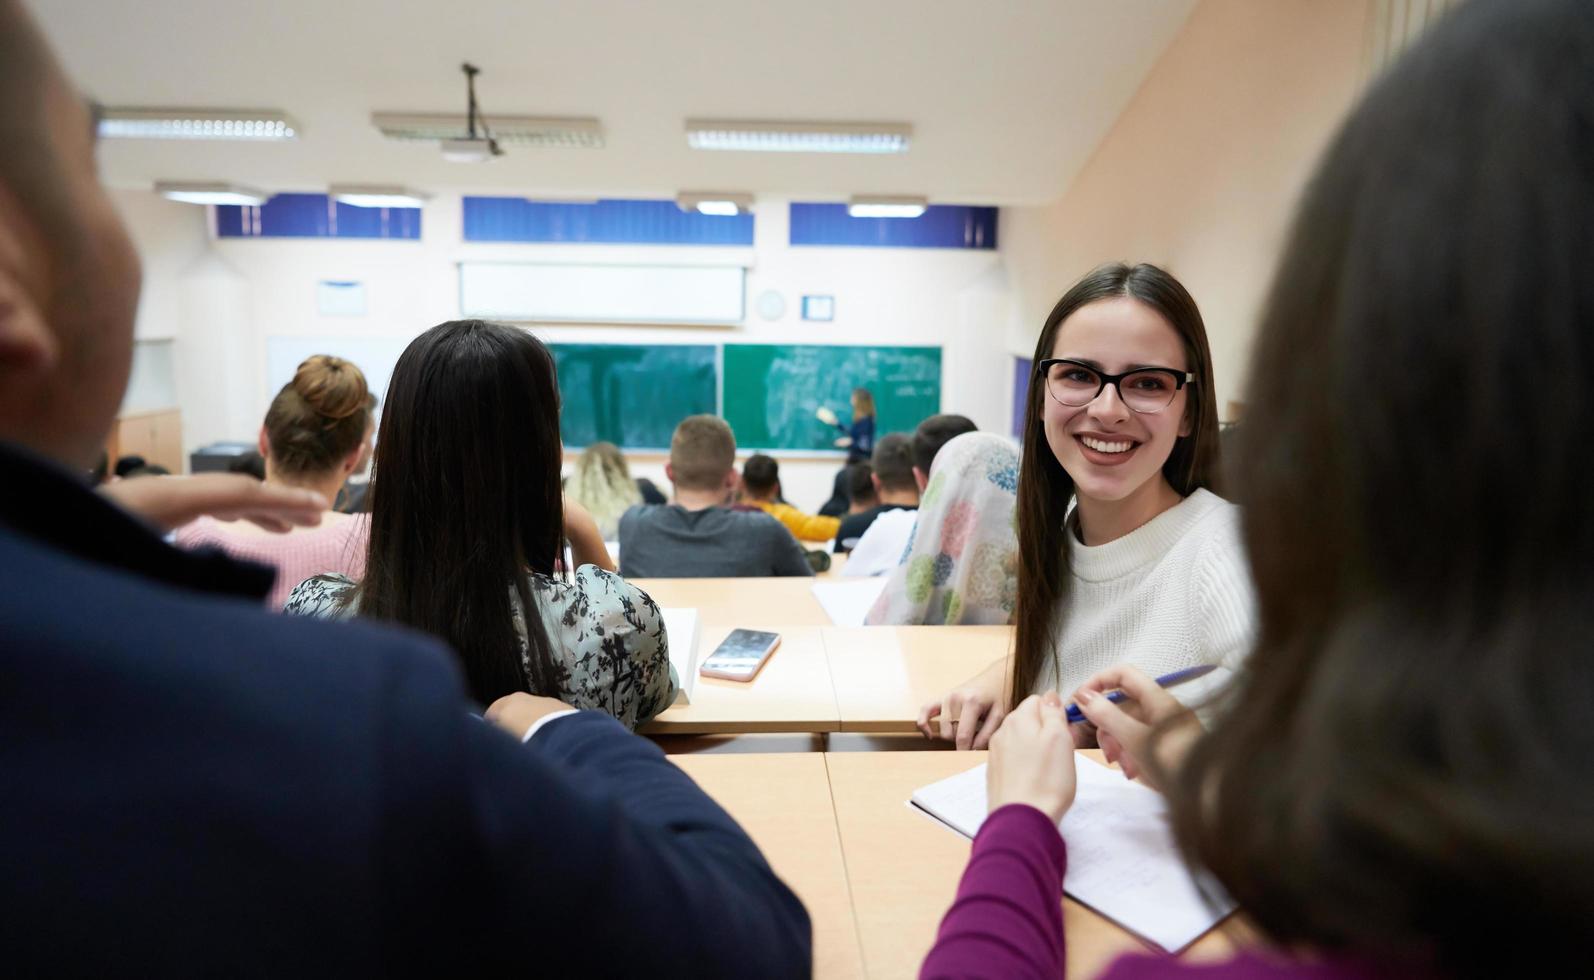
{"points": [[700, 535]]}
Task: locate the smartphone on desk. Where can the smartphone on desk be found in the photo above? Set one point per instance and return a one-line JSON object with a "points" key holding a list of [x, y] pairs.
{"points": [[741, 655]]}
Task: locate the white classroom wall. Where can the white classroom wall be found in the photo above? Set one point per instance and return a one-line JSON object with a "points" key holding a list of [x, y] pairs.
{"points": [[220, 300], [1201, 171]]}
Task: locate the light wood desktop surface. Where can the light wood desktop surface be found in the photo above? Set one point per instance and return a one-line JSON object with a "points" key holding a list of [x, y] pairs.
{"points": [[751, 603], [783, 802], [884, 674], [792, 693], [903, 868]]}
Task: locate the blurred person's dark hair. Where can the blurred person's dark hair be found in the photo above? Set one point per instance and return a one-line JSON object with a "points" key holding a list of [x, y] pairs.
{"points": [[860, 485], [250, 464], [1408, 766], [893, 462], [935, 432], [761, 474]]}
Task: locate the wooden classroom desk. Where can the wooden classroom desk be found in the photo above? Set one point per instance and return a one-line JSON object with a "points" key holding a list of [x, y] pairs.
{"points": [[903, 868], [751, 603], [783, 802], [884, 674], [792, 693]]}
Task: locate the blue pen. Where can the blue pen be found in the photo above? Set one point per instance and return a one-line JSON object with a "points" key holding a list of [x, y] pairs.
{"points": [[1075, 716]]}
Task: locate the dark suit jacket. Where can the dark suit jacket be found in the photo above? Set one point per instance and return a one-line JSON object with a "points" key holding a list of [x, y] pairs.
{"points": [[190, 785]]}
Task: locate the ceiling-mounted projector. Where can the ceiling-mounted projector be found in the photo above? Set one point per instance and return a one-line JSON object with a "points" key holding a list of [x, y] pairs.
{"points": [[478, 144], [469, 150]]}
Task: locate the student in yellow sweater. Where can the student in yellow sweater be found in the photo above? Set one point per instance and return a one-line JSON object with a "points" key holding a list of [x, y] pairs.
{"points": [[761, 489]]}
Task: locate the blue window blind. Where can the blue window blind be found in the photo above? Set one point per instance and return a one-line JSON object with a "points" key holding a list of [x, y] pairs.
{"points": [[315, 216], [1023, 371], [940, 226], [515, 219]]}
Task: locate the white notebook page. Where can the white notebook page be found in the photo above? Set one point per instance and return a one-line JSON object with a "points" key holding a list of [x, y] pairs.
{"points": [[1122, 860]]}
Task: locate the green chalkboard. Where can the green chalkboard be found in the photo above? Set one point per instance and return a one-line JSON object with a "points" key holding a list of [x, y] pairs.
{"points": [[773, 390], [632, 394]]}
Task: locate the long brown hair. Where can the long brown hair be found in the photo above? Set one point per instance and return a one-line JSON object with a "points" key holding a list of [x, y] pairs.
{"points": [[862, 403], [1407, 766], [1045, 488], [465, 500]]}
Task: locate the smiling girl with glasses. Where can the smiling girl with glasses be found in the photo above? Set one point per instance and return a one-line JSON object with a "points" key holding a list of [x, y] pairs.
{"points": [[1147, 568]]}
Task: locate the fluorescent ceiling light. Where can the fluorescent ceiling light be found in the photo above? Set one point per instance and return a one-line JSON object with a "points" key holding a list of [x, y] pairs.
{"points": [[210, 193], [788, 137], [887, 207], [547, 131], [717, 204], [197, 124], [376, 197]]}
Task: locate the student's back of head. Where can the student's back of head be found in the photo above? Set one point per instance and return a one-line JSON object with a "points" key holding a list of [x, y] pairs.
{"points": [[465, 499], [318, 422], [860, 487], [893, 464], [933, 433], [1409, 767], [601, 482], [761, 476], [702, 454]]}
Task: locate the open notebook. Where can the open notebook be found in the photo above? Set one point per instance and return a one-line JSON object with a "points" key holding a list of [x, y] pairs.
{"points": [[1122, 860], [682, 628]]}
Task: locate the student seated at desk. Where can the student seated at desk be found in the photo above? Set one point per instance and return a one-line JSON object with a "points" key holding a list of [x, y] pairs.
{"points": [[962, 563], [1148, 568], [196, 787], [467, 522], [601, 483], [700, 535], [317, 431], [891, 472], [852, 492], [884, 539], [1403, 782], [761, 489]]}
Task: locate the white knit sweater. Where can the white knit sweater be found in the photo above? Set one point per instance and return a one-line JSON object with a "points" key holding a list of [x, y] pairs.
{"points": [[1173, 593]]}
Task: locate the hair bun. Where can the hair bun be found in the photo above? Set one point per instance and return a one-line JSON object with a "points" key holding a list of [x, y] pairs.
{"points": [[331, 386]]}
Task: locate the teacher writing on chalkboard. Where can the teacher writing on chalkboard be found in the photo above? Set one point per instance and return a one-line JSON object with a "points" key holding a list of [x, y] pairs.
{"points": [[859, 439]]}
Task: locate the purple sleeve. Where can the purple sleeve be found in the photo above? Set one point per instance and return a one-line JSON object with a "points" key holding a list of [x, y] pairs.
{"points": [[1007, 919]]}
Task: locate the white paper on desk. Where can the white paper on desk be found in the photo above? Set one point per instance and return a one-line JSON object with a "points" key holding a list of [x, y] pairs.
{"points": [[1122, 860], [681, 626], [848, 601]]}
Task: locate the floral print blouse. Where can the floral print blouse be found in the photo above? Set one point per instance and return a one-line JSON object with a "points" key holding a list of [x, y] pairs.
{"points": [[608, 635]]}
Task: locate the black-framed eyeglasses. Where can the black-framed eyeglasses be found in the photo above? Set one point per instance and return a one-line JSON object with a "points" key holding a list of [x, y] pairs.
{"points": [[1146, 390]]}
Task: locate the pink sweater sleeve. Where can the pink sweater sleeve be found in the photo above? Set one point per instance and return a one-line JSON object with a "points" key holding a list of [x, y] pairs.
{"points": [[1007, 919]]}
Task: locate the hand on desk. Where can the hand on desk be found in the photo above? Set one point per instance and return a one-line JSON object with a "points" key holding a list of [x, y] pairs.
{"points": [[971, 713], [1124, 730], [516, 713], [1032, 758], [169, 502]]}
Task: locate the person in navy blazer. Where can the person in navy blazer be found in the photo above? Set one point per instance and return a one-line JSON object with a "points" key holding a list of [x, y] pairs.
{"points": [[191, 786]]}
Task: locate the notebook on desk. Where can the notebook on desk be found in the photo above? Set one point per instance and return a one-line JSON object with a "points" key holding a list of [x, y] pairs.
{"points": [[848, 601], [1122, 860], [682, 627]]}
